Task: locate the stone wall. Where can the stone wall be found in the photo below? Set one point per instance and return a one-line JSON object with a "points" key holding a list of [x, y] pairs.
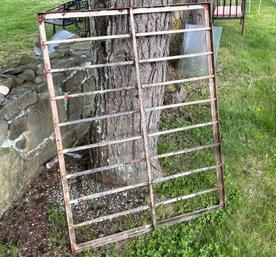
{"points": [[26, 132]]}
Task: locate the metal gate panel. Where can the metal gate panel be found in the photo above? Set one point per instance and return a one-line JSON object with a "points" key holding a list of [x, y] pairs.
{"points": [[145, 135]]}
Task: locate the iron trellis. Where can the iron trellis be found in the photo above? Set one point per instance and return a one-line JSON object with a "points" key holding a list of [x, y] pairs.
{"points": [[145, 135]]}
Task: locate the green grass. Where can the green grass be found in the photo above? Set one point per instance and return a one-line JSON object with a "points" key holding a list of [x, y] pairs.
{"points": [[57, 220], [18, 27], [8, 250], [247, 93]]}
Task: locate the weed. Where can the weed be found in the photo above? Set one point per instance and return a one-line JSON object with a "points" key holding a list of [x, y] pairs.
{"points": [[8, 250], [56, 216], [57, 220]]}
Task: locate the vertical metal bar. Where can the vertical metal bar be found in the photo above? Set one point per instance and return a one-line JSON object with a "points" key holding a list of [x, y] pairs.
{"points": [[143, 116], [243, 15], [55, 119], [214, 109]]}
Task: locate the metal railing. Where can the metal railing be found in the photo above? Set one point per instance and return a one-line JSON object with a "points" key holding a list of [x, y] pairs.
{"points": [[75, 5], [145, 135], [230, 9]]}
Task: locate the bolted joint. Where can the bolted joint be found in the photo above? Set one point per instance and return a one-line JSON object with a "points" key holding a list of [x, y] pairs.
{"points": [[73, 249], [47, 69], [41, 18], [206, 6]]}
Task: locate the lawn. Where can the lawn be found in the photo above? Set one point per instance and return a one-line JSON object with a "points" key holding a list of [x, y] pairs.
{"points": [[18, 27], [247, 97]]}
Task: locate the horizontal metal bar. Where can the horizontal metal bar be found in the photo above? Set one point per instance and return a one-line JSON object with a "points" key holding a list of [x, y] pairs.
{"points": [[189, 150], [103, 143], [177, 81], [68, 123], [185, 197], [176, 57], [163, 107], [95, 66], [228, 18], [142, 230], [104, 65], [166, 32], [184, 173], [97, 13], [187, 216], [125, 63], [176, 8], [96, 170], [113, 238], [130, 162], [111, 216], [164, 132], [73, 40], [93, 171], [155, 33], [126, 188], [84, 14], [108, 192], [68, 96]]}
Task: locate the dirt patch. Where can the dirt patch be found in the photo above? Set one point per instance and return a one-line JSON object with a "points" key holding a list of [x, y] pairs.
{"points": [[26, 225], [36, 225]]}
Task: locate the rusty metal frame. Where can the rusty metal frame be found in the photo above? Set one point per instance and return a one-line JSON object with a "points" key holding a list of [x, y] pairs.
{"points": [[145, 136]]}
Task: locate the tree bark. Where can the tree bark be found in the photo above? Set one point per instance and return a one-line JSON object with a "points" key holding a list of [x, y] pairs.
{"points": [[190, 17], [118, 50]]}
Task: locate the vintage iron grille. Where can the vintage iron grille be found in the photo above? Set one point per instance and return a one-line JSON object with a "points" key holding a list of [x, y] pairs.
{"points": [[214, 123]]}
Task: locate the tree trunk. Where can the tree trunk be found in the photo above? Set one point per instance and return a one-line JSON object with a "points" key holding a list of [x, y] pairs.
{"points": [[110, 51], [190, 17]]}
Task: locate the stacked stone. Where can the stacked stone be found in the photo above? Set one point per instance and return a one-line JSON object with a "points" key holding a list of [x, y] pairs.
{"points": [[26, 131]]}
